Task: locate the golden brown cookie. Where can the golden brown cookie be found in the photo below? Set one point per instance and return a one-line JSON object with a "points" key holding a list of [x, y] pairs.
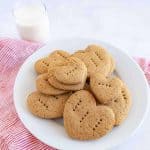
{"points": [[55, 58], [121, 105], [41, 65], [45, 87], [96, 59], [102, 53], [105, 88], [71, 72], [112, 92], [84, 120], [71, 87], [46, 106]]}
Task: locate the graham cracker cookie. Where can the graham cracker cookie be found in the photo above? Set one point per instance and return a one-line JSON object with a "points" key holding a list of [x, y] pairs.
{"points": [[84, 120], [121, 105], [45, 87], [105, 88], [96, 59], [46, 106], [55, 58], [41, 65], [71, 87], [72, 71], [102, 53], [112, 92]]}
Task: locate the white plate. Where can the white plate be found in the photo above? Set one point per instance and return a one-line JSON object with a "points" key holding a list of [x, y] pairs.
{"points": [[52, 132]]}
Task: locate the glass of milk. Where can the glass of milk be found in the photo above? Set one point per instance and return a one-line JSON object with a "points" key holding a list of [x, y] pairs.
{"points": [[32, 20]]}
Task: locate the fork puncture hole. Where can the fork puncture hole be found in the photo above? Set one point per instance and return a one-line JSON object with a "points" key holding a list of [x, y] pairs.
{"points": [[61, 55], [55, 97], [98, 55], [94, 62], [78, 104], [85, 115], [115, 100]]}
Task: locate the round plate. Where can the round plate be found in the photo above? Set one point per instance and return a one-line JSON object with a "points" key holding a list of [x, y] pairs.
{"points": [[52, 132]]}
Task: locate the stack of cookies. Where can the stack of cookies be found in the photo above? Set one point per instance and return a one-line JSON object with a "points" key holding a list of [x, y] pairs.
{"points": [[81, 89]]}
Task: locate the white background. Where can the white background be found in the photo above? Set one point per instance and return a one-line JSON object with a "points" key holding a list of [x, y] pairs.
{"points": [[124, 23]]}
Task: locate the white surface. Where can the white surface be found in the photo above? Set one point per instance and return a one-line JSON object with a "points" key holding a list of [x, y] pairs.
{"points": [[50, 131], [123, 23]]}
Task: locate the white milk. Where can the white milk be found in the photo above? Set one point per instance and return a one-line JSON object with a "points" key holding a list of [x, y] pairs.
{"points": [[32, 23]]}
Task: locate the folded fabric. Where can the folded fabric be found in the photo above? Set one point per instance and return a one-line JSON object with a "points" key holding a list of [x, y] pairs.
{"points": [[145, 65], [13, 134]]}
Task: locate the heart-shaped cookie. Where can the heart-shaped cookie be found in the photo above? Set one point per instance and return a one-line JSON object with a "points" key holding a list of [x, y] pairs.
{"points": [[41, 65], [112, 92], [45, 87], [84, 120], [70, 87], [72, 71], [96, 59], [55, 58], [121, 105], [46, 106], [105, 88]]}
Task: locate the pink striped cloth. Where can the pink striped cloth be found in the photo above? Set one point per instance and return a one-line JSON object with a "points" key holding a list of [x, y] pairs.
{"points": [[13, 135]]}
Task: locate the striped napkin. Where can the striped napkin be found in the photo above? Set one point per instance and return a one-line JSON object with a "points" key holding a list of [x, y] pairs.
{"points": [[13, 135]]}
